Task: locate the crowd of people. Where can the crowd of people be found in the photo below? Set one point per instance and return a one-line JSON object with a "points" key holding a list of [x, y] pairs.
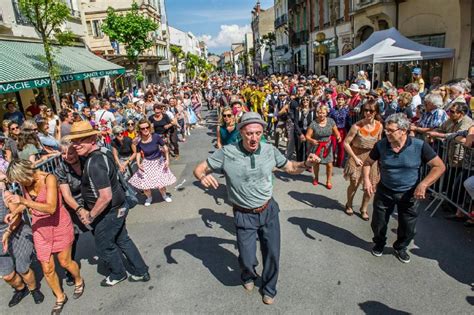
{"points": [[106, 146]]}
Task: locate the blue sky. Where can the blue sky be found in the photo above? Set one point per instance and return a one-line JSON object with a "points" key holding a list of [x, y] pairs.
{"points": [[217, 22]]}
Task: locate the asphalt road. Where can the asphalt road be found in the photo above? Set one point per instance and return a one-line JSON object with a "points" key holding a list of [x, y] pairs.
{"points": [[326, 265]]}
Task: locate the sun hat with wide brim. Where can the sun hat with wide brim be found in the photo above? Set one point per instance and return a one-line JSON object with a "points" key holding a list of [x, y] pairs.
{"points": [[81, 129], [354, 88], [251, 118]]}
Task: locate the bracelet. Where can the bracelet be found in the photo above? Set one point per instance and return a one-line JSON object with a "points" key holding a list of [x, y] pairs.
{"points": [[78, 208]]}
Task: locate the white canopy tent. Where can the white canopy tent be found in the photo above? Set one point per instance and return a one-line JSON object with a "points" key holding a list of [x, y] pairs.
{"points": [[390, 46]]}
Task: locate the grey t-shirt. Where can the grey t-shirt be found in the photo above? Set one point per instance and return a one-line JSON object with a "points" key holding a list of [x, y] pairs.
{"points": [[248, 175]]}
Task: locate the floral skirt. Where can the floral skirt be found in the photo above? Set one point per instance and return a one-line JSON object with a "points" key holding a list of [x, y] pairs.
{"points": [[153, 176]]}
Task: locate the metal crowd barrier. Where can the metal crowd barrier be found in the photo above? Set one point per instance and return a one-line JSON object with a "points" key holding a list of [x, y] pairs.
{"points": [[449, 188], [50, 164]]}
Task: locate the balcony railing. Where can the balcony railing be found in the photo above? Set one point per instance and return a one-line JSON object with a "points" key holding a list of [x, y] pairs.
{"points": [[281, 20]]}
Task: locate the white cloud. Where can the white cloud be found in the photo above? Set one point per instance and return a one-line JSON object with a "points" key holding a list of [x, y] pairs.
{"points": [[228, 35]]}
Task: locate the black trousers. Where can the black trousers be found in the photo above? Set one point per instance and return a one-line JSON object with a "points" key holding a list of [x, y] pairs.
{"points": [[385, 201], [174, 142], [267, 226]]}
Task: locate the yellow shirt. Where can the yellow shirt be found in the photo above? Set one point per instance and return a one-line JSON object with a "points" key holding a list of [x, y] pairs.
{"points": [[421, 84]]}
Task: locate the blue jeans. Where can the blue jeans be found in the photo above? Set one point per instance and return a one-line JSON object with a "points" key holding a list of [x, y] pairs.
{"points": [[113, 243]]}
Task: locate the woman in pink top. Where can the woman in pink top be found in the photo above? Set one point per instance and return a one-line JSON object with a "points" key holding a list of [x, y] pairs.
{"points": [[52, 227]]}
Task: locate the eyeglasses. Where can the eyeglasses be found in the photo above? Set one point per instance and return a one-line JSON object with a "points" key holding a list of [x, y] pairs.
{"points": [[48, 110], [130, 124], [14, 128], [368, 110], [227, 116], [145, 128], [305, 100], [389, 131]]}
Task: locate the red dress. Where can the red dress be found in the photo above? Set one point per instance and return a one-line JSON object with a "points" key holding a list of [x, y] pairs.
{"points": [[52, 233]]}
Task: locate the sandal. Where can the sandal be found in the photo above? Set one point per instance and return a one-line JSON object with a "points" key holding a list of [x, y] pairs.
{"points": [[349, 210], [315, 182], [329, 185], [364, 215], [79, 290], [58, 306]]}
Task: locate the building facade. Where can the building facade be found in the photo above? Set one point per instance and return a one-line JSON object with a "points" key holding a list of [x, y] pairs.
{"points": [[96, 12], [282, 48], [263, 23]]}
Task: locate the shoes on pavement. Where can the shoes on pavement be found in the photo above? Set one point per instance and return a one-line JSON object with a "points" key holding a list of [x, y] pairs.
{"points": [[58, 306], [315, 182], [402, 255], [328, 185], [148, 201], [107, 282], [377, 250], [267, 300], [142, 278], [18, 295], [79, 290], [249, 286], [167, 198], [38, 297]]}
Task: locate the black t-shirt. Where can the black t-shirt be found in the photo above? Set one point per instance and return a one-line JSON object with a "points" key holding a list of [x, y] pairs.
{"points": [[159, 125], [102, 175], [66, 175], [125, 148]]}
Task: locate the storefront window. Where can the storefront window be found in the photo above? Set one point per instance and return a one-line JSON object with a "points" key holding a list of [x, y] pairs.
{"points": [[429, 68]]}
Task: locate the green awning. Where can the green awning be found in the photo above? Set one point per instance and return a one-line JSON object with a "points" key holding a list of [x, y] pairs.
{"points": [[22, 66]]}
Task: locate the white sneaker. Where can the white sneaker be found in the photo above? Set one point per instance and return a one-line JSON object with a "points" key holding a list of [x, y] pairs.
{"points": [[148, 201], [167, 198]]}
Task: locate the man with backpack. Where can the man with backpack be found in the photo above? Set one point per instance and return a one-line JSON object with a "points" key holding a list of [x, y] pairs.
{"points": [[106, 215]]}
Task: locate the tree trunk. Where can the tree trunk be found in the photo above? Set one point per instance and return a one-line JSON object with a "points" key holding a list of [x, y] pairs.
{"points": [[52, 75]]}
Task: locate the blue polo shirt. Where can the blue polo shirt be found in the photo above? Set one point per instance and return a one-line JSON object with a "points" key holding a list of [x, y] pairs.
{"points": [[401, 171]]}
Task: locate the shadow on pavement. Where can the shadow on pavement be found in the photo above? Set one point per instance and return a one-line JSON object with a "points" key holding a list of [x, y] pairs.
{"points": [[374, 307], [226, 222], [333, 232], [285, 177], [222, 263], [316, 201], [217, 194], [448, 244]]}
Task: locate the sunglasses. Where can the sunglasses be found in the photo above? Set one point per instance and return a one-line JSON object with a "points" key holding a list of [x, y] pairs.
{"points": [[144, 128], [14, 128], [227, 115], [49, 110], [130, 124], [367, 110]]}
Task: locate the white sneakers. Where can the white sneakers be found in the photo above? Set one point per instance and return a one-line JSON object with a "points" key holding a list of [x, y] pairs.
{"points": [[148, 201], [167, 198]]}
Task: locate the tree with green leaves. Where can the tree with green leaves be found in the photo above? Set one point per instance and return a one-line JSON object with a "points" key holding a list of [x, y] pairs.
{"points": [[131, 29], [48, 17], [269, 40]]}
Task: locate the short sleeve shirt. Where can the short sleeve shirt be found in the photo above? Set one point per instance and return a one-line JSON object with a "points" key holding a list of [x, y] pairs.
{"points": [[99, 174], [151, 150], [28, 150], [123, 148], [159, 125], [66, 175], [248, 175]]}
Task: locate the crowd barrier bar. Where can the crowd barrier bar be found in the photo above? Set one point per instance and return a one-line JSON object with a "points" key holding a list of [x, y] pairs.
{"points": [[449, 188]]}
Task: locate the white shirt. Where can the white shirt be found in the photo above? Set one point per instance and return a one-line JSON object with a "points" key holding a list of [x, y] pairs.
{"points": [[105, 115], [415, 102]]}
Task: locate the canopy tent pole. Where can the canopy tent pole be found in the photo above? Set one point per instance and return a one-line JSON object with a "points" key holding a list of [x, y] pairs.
{"points": [[373, 72]]}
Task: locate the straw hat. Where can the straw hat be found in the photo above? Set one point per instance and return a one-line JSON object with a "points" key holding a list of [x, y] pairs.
{"points": [[81, 129]]}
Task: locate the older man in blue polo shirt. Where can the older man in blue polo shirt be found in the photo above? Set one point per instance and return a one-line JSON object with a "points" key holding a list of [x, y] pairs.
{"points": [[400, 158], [248, 167]]}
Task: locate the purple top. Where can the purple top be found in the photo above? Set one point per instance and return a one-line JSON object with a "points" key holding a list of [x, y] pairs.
{"points": [[340, 116], [151, 150]]}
